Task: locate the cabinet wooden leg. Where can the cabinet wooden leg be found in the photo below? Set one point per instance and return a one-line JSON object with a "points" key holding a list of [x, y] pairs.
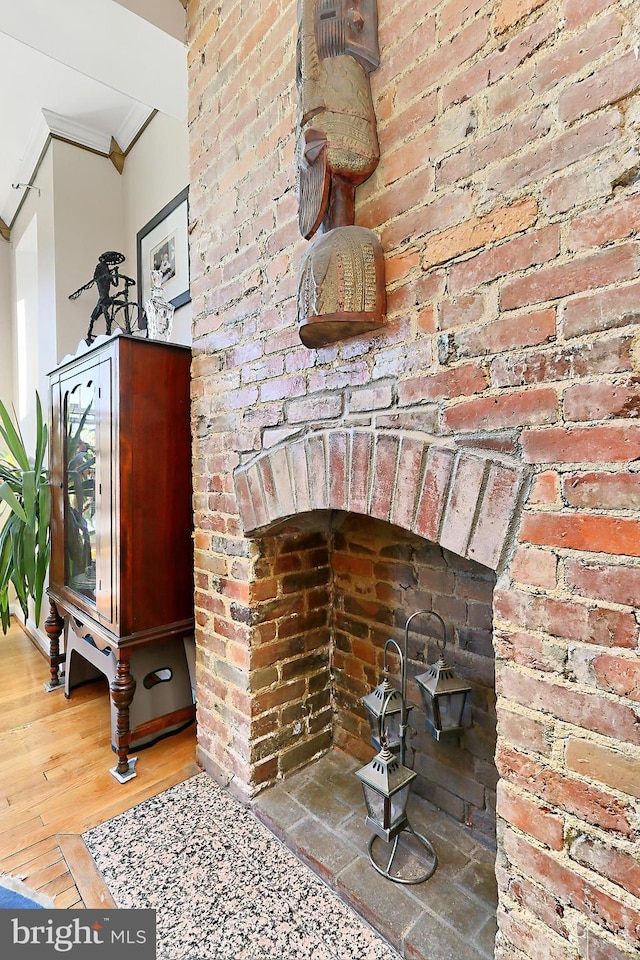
{"points": [[123, 687], [53, 626]]}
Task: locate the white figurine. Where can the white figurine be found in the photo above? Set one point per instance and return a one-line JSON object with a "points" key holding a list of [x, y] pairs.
{"points": [[158, 310]]}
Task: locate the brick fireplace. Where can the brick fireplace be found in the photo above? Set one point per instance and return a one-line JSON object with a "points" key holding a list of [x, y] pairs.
{"points": [[479, 455]]}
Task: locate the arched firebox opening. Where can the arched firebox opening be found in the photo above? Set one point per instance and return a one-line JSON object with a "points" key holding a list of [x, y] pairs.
{"points": [[353, 530], [335, 586]]}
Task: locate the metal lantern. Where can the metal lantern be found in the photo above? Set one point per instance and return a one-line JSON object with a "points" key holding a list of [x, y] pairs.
{"points": [[443, 695], [385, 695], [386, 784]]}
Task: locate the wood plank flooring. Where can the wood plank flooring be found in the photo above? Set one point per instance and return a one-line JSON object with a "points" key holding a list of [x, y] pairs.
{"points": [[55, 756]]}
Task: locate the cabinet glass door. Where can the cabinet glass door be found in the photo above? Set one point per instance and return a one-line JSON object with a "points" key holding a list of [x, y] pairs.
{"points": [[80, 410]]}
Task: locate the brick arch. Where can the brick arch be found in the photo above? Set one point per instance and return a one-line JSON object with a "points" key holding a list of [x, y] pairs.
{"points": [[466, 500]]}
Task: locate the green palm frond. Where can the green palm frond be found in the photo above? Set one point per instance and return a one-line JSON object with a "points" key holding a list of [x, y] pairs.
{"points": [[25, 501]]}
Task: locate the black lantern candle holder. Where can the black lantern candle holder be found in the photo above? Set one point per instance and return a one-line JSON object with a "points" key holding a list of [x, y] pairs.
{"points": [[386, 781], [443, 694]]}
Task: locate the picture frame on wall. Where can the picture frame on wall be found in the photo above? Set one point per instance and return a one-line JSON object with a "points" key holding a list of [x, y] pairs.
{"points": [[163, 244]]}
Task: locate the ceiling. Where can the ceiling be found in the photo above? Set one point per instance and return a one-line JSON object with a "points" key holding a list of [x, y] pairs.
{"points": [[87, 71]]}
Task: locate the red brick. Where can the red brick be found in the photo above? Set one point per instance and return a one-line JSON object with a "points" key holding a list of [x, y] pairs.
{"points": [[529, 650], [316, 460], [435, 487], [499, 501], [463, 310], [602, 310], [567, 619], [597, 444], [616, 675], [598, 534], [480, 231], [562, 790], [616, 583], [555, 154], [535, 247], [441, 212], [443, 60], [533, 734], [496, 145], [244, 502], [338, 475], [613, 221], [534, 900], [599, 948], [269, 489], [384, 474], [282, 480], [576, 275], [530, 817], [615, 865], [361, 460], [510, 410], [587, 709], [466, 486], [351, 374], [399, 163], [509, 94], [537, 568], [257, 497], [300, 476], [569, 59], [456, 12], [461, 381], [579, 12], [509, 12], [571, 887], [407, 482], [527, 939], [401, 265], [609, 85], [507, 333], [545, 489], [282, 389], [568, 361], [603, 763], [613, 491], [310, 409], [601, 401]]}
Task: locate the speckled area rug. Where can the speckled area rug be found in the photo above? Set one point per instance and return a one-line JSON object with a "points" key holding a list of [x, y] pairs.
{"points": [[224, 888]]}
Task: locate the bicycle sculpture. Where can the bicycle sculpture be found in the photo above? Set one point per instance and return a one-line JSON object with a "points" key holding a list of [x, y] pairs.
{"points": [[117, 308]]}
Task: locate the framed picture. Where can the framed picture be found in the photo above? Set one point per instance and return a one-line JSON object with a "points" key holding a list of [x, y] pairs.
{"points": [[163, 244]]}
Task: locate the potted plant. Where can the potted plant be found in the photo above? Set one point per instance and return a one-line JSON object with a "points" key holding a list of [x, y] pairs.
{"points": [[25, 510]]}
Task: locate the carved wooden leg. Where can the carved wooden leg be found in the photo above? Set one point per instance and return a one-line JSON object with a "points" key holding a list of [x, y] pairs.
{"points": [[123, 687], [53, 626]]}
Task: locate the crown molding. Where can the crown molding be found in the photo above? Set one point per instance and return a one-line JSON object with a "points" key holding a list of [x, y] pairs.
{"points": [[136, 118], [80, 133]]}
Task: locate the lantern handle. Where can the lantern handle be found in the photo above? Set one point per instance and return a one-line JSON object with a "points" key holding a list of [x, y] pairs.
{"points": [[441, 641]]}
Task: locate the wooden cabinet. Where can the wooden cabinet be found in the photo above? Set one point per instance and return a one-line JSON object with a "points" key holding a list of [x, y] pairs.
{"points": [[121, 571]]}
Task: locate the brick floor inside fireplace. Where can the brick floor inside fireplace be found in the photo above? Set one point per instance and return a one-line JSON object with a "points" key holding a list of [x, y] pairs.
{"points": [[319, 814]]}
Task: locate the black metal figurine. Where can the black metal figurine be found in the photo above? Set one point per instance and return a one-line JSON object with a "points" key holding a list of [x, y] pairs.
{"points": [[105, 276]]}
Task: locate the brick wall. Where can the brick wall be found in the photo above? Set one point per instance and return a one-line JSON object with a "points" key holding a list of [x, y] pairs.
{"points": [[383, 574], [506, 201]]}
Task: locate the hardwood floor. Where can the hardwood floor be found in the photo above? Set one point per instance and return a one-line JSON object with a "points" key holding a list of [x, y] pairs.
{"points": [[55, 756]]}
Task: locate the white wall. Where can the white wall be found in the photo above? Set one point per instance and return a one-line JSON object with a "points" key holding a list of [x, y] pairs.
{"points": [[84, 207], [168, 15], [33, 318], [6, 327], [155, 171], [89, 220]]}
